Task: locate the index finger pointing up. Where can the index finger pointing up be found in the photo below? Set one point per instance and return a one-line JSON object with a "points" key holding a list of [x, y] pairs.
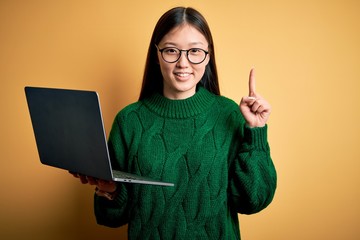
{"points": [[252, 82]]}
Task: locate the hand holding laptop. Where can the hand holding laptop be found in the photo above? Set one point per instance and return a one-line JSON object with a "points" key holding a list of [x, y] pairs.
{"points": [[104, 188]]}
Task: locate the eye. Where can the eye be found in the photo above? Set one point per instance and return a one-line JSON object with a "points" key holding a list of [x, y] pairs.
{"points": [[171, 51], [196, 51]]}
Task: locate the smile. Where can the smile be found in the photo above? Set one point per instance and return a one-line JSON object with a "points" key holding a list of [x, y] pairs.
{"points": [[182, 74]]}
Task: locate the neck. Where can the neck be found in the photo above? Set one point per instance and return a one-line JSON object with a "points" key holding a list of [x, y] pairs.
{"points": [[179, 95]]}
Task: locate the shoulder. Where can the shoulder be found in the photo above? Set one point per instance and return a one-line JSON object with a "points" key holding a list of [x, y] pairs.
{"points": [[127, 120], [128, 111], [227, 103], [229, 110], [132, 107]]}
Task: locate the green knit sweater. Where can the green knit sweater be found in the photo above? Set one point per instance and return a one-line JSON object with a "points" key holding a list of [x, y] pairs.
{"points": [[219, 167]]}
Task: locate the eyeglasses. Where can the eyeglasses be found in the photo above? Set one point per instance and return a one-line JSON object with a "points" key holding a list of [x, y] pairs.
{"points": [[173, 54]]}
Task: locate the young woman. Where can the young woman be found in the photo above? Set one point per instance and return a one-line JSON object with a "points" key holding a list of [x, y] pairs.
{"points": [[182, 131]]}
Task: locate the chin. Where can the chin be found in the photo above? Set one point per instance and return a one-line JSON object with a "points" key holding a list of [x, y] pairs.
{"points": [[184, 89]]}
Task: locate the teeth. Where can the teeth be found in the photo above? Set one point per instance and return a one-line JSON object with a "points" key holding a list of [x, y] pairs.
{"points": [[183, 74]]}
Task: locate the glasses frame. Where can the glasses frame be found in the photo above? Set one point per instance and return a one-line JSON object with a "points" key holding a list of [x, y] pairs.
{"points": [[181, 51]]}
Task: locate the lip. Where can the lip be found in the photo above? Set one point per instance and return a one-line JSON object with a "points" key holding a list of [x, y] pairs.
{"points": [[182, 75]]}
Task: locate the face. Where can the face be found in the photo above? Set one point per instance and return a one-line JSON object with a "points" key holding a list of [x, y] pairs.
{"points": [[180, 78]]}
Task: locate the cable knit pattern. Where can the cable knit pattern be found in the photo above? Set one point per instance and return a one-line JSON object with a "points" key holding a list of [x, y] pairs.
{"points": [[219, 166]]}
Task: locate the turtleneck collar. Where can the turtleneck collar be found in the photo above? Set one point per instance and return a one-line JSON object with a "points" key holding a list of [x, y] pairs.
{"points": [[183, 108]]}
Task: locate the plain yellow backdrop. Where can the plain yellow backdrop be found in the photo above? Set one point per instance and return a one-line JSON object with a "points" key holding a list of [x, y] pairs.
{"points": [[307, 60]]}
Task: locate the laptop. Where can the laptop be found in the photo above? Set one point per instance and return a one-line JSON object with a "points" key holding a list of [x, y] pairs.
{"points": [[70, 134]]}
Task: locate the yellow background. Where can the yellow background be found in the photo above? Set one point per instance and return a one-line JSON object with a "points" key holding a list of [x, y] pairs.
{"points": [[307, 59]]}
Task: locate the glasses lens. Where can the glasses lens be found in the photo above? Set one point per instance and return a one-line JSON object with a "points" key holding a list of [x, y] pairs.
{"points": [[196, 55], [170, 54]]}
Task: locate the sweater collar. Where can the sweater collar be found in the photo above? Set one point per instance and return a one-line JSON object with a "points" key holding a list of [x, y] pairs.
{"points": [[184, 108]]}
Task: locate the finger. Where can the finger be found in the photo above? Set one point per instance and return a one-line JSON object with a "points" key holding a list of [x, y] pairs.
{"points": [[83, 179], [252, 82], [260, 109], [108, 186], [91, 180], [247, 100], [74, 174], [102, 182], [255, 107]]}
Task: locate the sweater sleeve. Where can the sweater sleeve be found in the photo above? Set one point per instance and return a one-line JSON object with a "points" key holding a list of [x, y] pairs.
{"points": [[252, 175], [114, 213]]}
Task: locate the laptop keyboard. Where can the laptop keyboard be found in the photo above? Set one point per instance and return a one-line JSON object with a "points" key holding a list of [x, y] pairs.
{"points": [[118, 174]]}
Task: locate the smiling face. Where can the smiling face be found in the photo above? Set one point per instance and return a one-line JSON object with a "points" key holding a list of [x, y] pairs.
{"points": [[180, 78]]}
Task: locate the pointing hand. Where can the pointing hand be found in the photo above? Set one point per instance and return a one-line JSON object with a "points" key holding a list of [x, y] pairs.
{"points": [[255, 109]]}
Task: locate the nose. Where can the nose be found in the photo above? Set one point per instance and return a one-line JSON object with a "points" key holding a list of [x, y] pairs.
{"points": [[183, 60]]}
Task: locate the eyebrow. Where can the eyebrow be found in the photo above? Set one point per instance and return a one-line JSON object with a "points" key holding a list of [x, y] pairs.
{"points": [[192, 43]]}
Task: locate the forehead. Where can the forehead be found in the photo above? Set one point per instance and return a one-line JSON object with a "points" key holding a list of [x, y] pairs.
{"points": [[184, 34]]}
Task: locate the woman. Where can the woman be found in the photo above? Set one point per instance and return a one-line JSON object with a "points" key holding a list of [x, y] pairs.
{"points": [[182, 131]]}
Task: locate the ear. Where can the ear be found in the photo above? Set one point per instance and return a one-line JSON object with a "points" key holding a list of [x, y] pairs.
{"points": [[207, 60]]}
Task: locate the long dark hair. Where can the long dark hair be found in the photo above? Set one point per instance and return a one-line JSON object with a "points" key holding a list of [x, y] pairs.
{"points": [[153, 79]]}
